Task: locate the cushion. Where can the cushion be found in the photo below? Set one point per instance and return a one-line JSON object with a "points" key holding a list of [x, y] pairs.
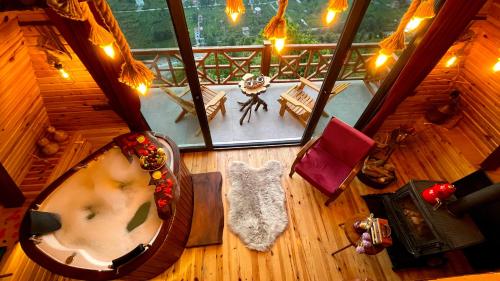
{"points": [[345, 143], [322, 171]]}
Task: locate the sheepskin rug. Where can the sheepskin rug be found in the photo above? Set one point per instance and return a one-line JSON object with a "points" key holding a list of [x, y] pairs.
{"points": [[257, 212]]}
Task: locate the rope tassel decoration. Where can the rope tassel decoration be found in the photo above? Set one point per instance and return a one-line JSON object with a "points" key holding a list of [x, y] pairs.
{"points": [[134, 73], [276, 28], [335, 7], [234, 8], [396, 41], [68, 8]]}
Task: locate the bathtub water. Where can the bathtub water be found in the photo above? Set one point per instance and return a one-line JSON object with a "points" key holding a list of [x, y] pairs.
{"points": [[96, 204]]}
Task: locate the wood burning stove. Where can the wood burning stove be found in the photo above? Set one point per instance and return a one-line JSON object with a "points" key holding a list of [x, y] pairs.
{"points": [[423, 230]]}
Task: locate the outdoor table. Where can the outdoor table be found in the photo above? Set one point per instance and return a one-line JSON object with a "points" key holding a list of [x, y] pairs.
{"points": [[253, 95]]}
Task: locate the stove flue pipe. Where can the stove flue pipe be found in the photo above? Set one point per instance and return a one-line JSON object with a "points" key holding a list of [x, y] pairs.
{"points": [[481, 197]]}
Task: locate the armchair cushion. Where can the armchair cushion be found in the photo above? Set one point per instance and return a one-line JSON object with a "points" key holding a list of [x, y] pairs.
{"points": [[322, 170], [345, 143]]}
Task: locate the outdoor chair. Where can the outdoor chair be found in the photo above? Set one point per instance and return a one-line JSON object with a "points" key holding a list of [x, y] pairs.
{"points": [[213, 101], [299, 104], [331, 161]]}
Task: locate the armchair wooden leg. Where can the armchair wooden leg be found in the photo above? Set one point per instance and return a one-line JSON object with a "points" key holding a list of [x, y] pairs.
{"points": [[180, 116], [292, 171], [333, 197]]}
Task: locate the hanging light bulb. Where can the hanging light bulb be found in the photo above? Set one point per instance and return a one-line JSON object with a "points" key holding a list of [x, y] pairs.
{"points": [[425, 10], [142, 88], [496, 67], [381, 59], [413, 24], [330, 16], [234, 8], [61, 70], [335, 7], [109, 50], [234, 16], [451, 61], [279, 44]]}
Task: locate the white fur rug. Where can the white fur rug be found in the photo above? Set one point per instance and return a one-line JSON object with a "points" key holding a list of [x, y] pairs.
{"points": [[257, 212]]}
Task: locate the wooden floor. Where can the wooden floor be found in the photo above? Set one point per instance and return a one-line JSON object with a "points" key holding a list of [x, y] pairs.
{"points": [[303, 251]]}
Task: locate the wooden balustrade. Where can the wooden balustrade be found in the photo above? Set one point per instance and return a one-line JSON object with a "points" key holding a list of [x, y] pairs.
{"points": [[222, 65]]}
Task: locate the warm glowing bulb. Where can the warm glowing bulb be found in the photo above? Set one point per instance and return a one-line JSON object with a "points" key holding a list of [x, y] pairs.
{"points": [[381, 59], [63, 73], [109, 50], [451, 61], [330, 15], [496, 67], [413, 24], [279, 44], [234, 16], [142, 88]]}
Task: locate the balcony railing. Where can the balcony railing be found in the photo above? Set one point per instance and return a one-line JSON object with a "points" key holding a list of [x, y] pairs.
{"points": [[227, 64]]}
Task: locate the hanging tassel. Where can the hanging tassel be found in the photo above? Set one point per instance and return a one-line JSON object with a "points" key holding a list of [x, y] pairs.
{"points": [[276, 28], [425, 10], [338, 5], [395, 41], [335, 7], [68, 8], [234, 8], [99, 35], [136, 75]]}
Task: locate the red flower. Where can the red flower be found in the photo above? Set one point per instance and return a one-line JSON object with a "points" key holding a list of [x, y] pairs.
{"points": [[158, 189], [162, 203], [169, 183], [143, 152]]}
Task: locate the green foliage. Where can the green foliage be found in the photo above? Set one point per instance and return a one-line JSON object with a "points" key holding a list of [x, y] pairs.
{"points": [[139, 217]]}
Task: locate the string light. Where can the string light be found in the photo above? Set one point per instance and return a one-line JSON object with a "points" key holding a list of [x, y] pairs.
{"points": [[234, 8], [234, 16], [330, 16], [413, 24], [109, 50], [496, 67], [279, 44], [61, 70], [381, 59], [142, 88], [335, 7], [451, 61]]}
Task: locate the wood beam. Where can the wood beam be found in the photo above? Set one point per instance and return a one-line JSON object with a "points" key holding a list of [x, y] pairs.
{"points": [[10, 194], [448, 25], [124, 100]]}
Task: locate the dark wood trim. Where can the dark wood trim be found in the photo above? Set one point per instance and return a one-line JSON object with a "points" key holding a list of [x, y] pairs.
{"points": [[450, 22], [178, 18], [10, 194], [354, 19], [124, 100]]}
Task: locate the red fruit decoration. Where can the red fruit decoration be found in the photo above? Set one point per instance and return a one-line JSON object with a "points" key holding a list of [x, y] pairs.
{"points": [[438, 192], [445, 190], [430, 196]]}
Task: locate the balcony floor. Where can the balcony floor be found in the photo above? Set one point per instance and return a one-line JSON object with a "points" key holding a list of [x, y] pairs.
{"points": [[160, 112]]}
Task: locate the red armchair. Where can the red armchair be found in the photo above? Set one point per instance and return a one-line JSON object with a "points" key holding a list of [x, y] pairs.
{"points": [[331, 161]]}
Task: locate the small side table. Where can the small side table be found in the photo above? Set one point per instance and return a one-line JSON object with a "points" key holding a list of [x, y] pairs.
{"points": [[353, 237], [253, 95]]}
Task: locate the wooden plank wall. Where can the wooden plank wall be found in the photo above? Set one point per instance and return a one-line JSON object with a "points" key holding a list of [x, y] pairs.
{"points": [[69, 103], [23, 117], [479, 85]]}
